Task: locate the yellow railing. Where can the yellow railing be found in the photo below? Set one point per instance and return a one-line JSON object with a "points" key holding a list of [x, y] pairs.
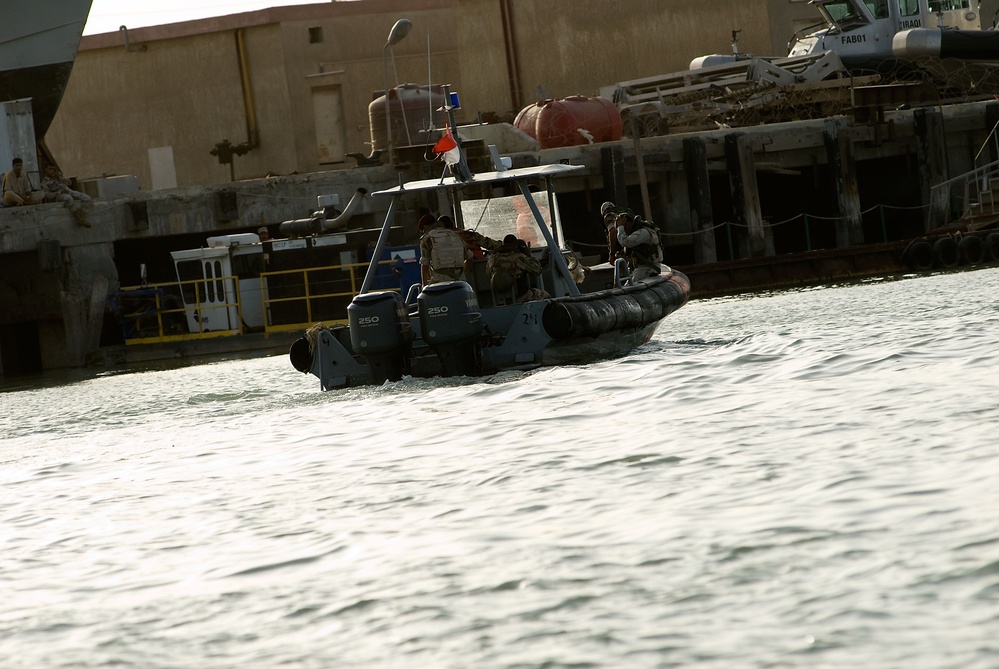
{"points": [[308, 297], [179, 328], [166, 329]]}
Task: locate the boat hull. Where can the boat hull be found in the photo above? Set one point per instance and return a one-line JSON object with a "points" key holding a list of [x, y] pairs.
{"points": [[540, 333], [44, 84], [37, 51]]}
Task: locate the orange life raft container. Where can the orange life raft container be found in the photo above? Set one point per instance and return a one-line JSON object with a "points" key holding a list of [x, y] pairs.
{"points": [[571, 121]]}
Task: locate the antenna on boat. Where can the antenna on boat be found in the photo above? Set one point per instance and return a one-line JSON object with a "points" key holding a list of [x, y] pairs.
{"points": [[450, 139], [430, 87]]}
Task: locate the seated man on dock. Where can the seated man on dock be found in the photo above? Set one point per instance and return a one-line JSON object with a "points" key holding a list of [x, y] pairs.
{"points": [[17, 187], [56, 189]]}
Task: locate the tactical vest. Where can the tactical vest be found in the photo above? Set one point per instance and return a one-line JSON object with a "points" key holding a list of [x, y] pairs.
{"points": [[447, 250], [644, 254]]}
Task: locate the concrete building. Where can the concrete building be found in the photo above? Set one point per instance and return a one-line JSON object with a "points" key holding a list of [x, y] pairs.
{"points": [[291, 86]]}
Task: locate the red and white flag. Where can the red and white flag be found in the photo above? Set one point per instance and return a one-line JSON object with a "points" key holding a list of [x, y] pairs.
{"points": [[448, 148]]}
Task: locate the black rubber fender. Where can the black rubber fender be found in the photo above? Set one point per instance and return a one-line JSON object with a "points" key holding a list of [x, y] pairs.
{"points": [[919, 256], [992, 246], [594, 314], [946, 254], [301, 355], [972, 250]]}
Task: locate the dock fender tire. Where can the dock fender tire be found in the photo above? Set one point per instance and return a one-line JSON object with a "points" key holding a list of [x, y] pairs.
{"points": [[301, 355], [946, 254], [919, 256], [992, 247], [973, 250]]}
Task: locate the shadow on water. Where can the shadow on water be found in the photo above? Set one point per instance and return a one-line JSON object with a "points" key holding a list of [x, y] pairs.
{"points": [[64, 377]]}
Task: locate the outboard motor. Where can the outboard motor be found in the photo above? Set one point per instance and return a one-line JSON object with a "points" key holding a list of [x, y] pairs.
{"points": [[451, 325], [380, 331]]}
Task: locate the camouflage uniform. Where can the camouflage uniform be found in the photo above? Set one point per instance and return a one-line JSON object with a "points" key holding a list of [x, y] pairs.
{"points": [[56, 189], [515, 263], [477, 241]]}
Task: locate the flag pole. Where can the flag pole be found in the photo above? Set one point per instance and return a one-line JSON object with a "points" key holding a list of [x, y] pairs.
{"points": [[460, 170]]}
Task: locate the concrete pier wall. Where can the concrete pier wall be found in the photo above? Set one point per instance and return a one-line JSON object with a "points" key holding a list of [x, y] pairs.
{"points": [[55, 274]]}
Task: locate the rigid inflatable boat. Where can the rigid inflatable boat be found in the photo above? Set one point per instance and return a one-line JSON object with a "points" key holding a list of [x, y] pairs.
{"points": [[470, 328]]}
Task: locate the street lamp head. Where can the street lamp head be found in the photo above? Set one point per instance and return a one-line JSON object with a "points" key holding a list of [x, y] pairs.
{"points": [[399, 30]]}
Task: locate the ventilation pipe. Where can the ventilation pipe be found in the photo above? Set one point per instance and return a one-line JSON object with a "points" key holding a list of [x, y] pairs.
{"points": [[512, 57], [252, 128], [318, 223], [353, 207], [129, 47]]}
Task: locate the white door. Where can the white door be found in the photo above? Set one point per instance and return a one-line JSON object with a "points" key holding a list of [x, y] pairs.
{"points": [[209, 297], [162, 170], [327, 108]]}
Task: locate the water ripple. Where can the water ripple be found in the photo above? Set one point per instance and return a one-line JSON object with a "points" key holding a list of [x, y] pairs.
{"points": [[794, 479]]}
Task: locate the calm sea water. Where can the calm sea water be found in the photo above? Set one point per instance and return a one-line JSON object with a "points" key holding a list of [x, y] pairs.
{"points": [[800, 479]]}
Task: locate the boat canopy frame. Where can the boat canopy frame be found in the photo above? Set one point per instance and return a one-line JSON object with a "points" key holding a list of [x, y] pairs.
{"points": [[521, 176]]}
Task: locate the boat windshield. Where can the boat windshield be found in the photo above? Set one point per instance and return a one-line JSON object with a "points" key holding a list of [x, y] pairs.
{"points": [[500, 216], [844, 13]]}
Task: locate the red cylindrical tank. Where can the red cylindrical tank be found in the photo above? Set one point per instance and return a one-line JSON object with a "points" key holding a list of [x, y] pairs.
{"points": [[412, 108], [571, 121]]}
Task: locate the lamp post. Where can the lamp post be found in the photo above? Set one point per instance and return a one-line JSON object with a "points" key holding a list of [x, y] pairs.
{"points": [[399, 30]]}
